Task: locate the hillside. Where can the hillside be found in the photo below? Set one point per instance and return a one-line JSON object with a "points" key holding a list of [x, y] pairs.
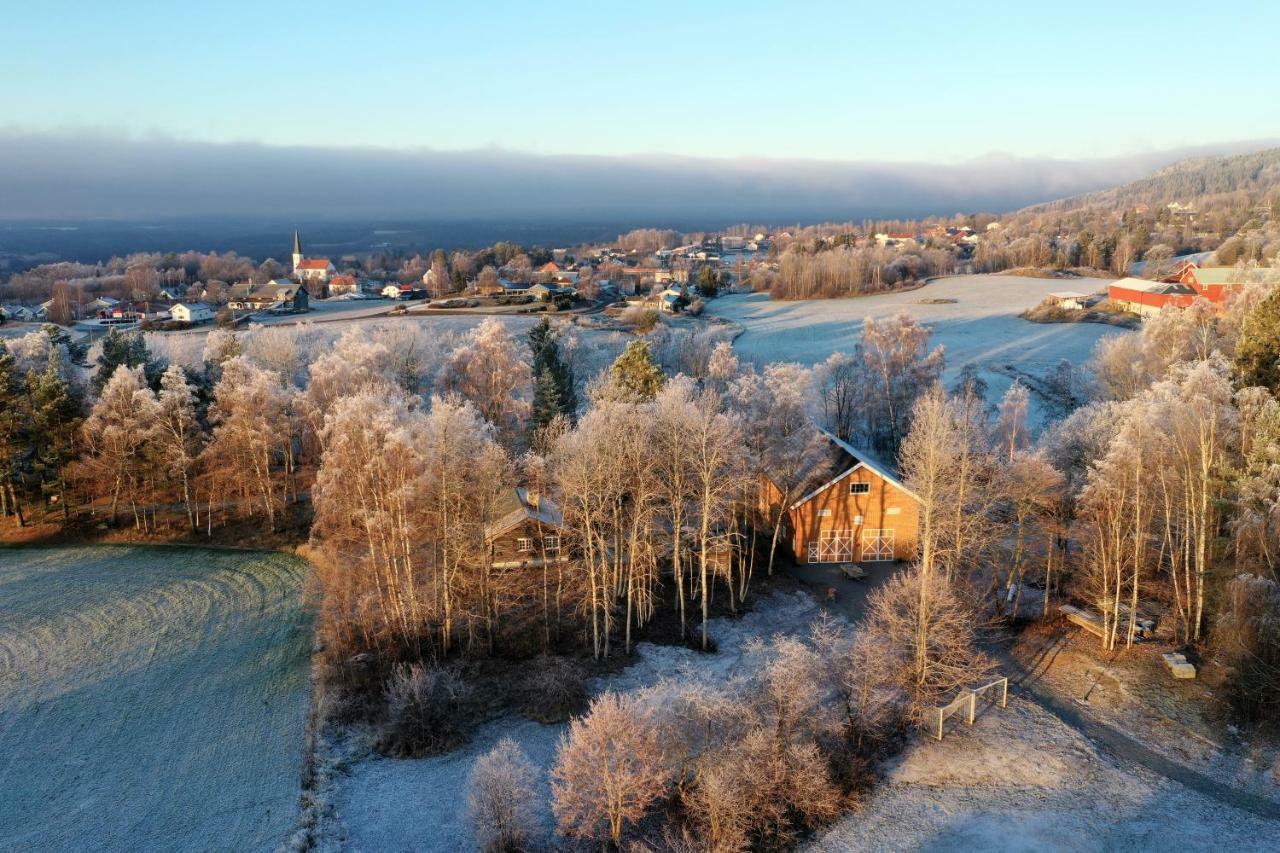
{"points": [[1203, 179], [1226, 205]]}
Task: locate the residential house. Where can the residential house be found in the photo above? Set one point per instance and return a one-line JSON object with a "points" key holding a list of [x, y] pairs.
{"points": [[528, 532], [341, 284], [191, 312], [510, 287], [403, 292], [672, 301], [18, 313], [851, 508], [278, 296]]}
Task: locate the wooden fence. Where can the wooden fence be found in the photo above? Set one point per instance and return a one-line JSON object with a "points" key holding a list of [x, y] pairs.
{"points": [[967, 701]]}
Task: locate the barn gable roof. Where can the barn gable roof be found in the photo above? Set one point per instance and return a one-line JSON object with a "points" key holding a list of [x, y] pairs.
{"points": [[856, 459]]}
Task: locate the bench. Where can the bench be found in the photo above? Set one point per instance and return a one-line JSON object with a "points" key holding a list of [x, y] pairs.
{"points": [[852, 571], [1178, 666]]}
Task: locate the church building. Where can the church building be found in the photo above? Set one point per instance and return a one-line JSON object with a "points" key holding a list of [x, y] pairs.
{"points": [[309, 269]]}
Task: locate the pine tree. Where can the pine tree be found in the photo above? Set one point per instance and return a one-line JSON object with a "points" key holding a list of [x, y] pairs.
{"points": [[12, 428], [55, 417], [127, 350], [553, 381], [1258, 352], [635, 374]]}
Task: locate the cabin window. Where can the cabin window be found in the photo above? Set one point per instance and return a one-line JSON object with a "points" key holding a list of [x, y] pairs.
{"points": [[524, 544], [551, 544], [859, 488]]}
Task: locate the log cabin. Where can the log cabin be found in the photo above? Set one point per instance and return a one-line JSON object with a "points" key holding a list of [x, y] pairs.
{"points": [[528, 533], [849, 507]]}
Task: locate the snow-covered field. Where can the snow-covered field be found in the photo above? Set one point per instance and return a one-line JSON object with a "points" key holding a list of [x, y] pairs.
{"points": [[150, 698], [981, 327]]}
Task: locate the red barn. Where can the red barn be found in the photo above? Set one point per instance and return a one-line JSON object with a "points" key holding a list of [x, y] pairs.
{"points": [[1188, 283]]}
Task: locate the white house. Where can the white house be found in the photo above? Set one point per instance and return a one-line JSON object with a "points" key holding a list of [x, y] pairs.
{"points": [[191, 312], [18, 313]]}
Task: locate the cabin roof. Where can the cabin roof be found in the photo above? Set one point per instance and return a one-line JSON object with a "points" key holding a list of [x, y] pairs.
{"points": [[516, 506]]}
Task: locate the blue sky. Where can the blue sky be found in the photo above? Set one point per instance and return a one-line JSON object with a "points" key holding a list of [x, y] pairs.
{"points": [[909, 82]]}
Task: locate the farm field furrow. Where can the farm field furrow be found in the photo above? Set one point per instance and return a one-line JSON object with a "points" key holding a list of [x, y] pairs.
{"points": [[150, 698]]}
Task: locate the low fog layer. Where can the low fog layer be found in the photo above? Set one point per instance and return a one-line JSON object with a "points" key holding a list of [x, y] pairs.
{"points": [[57, 177]]}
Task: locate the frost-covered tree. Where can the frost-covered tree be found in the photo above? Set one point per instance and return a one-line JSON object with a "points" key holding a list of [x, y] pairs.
{"points": [[179, 437], [118, 435], [898, 369], [779, 437], [609, 770], [490, 370], [926, 636], [502, 799], [1011, 430], [252, 437]]}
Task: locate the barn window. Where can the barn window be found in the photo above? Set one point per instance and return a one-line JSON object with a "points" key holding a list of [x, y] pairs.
{"points": [[823, 513], [524, 543], [859, 488], [893, 510], [551, 544]]}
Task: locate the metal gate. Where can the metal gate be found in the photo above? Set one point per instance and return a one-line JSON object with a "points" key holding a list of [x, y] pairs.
{"points": [[877, 545], [833, 546]]}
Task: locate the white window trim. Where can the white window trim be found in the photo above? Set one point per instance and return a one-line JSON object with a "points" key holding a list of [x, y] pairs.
{"points": [[864, 488], [524, 544], [550, 544]]}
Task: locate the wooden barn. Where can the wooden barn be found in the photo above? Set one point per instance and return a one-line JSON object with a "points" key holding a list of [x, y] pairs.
{"points": [[851, 508], [528, 532]]}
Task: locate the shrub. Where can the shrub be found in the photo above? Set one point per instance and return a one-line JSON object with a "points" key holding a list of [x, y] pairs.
{"points": [[555, 690], [423, 710], [501, 798], [639, 318]]}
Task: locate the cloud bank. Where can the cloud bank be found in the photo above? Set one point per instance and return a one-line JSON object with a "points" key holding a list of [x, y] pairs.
{"points": [[45, 176]]}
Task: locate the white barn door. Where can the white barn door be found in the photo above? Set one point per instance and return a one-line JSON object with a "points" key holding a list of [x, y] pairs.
{"points": [[877, 545]]}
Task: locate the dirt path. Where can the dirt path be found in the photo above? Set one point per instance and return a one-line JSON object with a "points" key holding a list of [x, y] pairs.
{"points": [[1121, 745]]}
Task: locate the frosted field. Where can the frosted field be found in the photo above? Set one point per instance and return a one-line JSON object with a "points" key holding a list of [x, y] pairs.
{"points": [[1021, 780], [150, 698], [981, 327]]}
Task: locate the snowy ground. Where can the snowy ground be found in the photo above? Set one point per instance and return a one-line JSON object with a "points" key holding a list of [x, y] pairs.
{"points": [[1021, 780], [981, 327], [386, 804], [150, 698], [1018, 780]]}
